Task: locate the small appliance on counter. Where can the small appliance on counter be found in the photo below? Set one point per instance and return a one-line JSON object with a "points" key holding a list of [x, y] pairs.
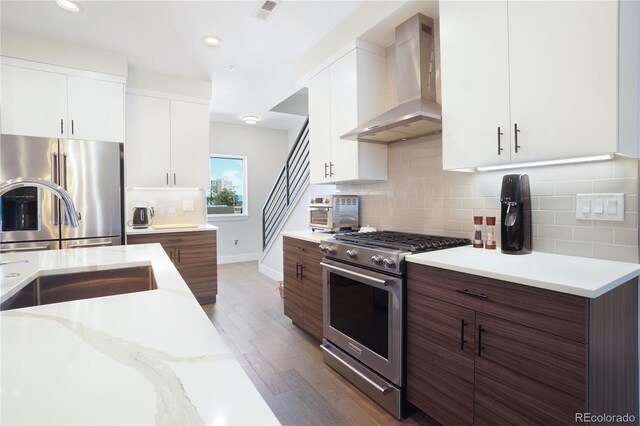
{"points": [[332, 213], [142, 217], [515, 202]]}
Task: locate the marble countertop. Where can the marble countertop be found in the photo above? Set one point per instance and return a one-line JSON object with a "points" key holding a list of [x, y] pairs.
{"points": [[579, 276], [151, 357], [152, 230], [308, 235]]}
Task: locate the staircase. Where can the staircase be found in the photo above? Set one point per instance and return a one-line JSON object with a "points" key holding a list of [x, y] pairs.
{"points": [[291, 182]]}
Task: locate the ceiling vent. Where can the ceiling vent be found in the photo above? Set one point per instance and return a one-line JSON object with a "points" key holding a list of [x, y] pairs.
{"points": [[266, 9]]}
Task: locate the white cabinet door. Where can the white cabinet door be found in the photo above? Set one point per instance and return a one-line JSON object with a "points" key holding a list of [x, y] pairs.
{"points": [[475, 82], [96, 109], [344, 117], [564, 62], [189, 145], [34, 103], [148, 146], [320, 127]]}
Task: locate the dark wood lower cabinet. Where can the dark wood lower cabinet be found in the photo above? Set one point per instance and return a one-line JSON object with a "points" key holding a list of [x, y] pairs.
{"points": [[195, 256], [303, 284], [477, 359]]}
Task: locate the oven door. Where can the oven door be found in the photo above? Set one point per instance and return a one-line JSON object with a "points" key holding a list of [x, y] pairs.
{"points": [[363, 316], [320, 217]]}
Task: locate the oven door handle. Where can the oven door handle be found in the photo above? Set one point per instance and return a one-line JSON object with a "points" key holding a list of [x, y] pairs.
{"points": [[382, 390], [357, 275]]}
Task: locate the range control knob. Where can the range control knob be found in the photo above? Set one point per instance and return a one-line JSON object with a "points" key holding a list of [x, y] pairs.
{"points": [[376, 260], [322, 248], [352, 254], [331, 250], [389, 263]]}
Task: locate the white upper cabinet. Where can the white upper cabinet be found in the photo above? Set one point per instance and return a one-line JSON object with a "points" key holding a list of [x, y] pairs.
{"points": [[347, 93], [167, 143], [189, 144], [34, 103], [148, 145], [96, 109], [61, 103], [320, 127], [559, 78]]}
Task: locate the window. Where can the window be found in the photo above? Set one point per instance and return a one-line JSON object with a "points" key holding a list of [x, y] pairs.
{"points": [[228, 190]]}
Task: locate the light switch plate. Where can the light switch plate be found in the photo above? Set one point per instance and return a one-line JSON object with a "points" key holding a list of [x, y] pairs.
{"points": [[600, 207], [187, 205]]}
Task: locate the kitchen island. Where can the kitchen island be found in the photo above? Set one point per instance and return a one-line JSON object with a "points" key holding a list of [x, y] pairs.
{"points": [[150, 357]]}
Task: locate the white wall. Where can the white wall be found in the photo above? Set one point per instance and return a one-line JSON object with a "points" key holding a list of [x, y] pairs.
{"points": [[48, 51], [266, 151]]}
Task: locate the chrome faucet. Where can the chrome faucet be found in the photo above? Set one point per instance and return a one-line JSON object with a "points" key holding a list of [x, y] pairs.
{"points": [[72, 213]]}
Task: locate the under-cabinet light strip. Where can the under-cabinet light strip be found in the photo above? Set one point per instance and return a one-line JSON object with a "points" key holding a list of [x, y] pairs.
{"points": [[589, 159]]}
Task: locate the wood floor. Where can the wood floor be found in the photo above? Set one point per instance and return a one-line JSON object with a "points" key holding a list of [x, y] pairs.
{"points": [[284, 363]]}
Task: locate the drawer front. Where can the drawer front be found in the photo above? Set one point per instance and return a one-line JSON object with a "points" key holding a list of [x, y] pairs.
{"points": [[301, 247], [556, 313]]}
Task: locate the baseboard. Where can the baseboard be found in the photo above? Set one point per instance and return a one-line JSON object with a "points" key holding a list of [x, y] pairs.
{"points": [[247, 257], [270, 272]]}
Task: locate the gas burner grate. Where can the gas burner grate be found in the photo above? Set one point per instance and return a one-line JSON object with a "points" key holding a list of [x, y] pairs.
{"points": [[402, 240]]}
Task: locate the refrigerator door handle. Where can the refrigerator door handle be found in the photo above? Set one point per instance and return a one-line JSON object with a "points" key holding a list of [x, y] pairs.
{"points": [[55, 219], [63, 181]]}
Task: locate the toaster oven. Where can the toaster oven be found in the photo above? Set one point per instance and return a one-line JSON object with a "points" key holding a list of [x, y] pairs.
{"points": [[332, 213]]}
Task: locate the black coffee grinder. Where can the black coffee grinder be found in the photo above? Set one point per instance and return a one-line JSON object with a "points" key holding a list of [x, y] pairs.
{"points": [[515, 200]]}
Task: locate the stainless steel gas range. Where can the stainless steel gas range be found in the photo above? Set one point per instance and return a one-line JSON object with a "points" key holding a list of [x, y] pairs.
{"points": [[364, 292]]}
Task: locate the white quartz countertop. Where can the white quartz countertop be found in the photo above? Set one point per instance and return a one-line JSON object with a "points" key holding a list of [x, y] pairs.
{"points": [[566, 274], [151, 357], [308, 235], [152, 230]]}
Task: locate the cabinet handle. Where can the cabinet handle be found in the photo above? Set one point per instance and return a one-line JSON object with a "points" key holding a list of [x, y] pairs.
{"points": [[174, 178], [175, 241], [331, 169], [326, 166], [472, 294], [62, 126], [480, 347], [171, 256], [298, 248], [463, 324], [297, 270], [301, 271], [500, 149], [72, 129], [515, 133], [178, 255]]}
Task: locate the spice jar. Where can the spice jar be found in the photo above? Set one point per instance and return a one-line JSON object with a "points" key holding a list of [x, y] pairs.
{"points": [[477, 232], [491, 233]]}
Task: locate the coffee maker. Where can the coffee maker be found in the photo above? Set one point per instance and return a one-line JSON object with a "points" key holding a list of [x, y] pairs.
{"points": [[515, 201]]}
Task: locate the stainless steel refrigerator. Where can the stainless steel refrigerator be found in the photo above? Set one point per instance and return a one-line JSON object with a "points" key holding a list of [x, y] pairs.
{"points": [[90, 171]]}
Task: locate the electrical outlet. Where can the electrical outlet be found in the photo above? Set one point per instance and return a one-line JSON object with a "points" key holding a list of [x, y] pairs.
{"points": [[600, 207], [187, 205], [171, 212]]}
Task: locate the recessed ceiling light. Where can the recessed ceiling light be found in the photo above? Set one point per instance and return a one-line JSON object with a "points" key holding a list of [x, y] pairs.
{"points": [[231, 68], [211, 41], [68, 5], [250, 119]]}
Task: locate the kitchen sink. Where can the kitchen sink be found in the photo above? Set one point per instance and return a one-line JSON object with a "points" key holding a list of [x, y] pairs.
{"points": [[82, 285]]}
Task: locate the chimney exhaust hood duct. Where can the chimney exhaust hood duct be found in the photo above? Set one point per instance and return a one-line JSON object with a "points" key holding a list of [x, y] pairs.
{"points": [[417, 114]]}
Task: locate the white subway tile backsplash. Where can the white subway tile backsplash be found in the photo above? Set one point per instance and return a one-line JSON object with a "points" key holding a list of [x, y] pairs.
{"points": [[445, 202], [574, 248], [557, 203], [595, 235]]}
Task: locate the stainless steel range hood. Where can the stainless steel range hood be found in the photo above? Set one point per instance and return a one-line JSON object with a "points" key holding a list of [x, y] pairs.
{"points": [[417, 114]]}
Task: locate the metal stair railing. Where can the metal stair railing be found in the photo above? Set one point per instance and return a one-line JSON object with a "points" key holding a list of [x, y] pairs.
{"points": [[290, 182]]}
